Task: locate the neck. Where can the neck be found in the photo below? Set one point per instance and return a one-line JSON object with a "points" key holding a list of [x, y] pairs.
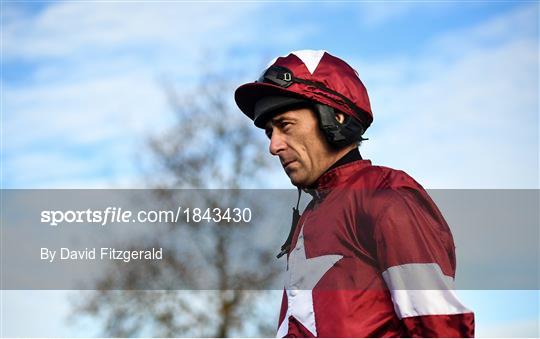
{"points": [[345, 156]]}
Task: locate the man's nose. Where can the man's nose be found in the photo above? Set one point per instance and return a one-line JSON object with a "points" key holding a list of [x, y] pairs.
{"points": [[277, 143]]}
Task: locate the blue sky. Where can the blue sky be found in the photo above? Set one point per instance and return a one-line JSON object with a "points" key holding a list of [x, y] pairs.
{"points": [[453, 85], [462, 76]]}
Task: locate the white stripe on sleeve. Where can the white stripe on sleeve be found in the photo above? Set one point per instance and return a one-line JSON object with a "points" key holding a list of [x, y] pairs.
{"points": [[422, 289]]}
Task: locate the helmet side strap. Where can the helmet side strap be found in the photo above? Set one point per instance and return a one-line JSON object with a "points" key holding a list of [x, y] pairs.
{"points": [[338, 134]]}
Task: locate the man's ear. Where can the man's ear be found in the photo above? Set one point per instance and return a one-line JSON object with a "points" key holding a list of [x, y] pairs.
{"points": [[340, 117]]}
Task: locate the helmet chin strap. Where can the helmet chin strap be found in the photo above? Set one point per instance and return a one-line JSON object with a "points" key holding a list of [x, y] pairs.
{"points": [[295, 218]]}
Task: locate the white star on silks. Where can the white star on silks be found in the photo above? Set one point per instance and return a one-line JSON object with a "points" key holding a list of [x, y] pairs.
{"points": [[302, 276]]}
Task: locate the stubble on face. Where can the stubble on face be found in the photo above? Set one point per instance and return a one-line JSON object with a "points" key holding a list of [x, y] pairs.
{"points": [[301, 146]]}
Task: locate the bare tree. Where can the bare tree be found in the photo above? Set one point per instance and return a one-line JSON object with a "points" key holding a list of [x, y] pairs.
{"points": [[210, 146]]}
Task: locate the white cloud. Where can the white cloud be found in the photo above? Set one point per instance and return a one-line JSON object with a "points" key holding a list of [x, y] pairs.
{"points": [[95, 85], [95, 74], [376, 14], [78, 131], [468, 121], [70, 28], [518, 23], [83, 112]]}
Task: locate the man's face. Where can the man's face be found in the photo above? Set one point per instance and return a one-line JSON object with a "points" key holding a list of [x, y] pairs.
{"points": [[301, 146]]}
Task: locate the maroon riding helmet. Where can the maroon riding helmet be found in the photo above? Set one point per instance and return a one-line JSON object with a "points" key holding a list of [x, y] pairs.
{"points": [[310, 78]]}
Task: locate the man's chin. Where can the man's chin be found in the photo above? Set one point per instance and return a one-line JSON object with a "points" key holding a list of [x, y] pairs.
{"points": [[294, 180], [297, 177], [298, 182]]}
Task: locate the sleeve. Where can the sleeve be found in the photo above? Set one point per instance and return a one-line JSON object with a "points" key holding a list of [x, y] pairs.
{"points": [[416, 255]]}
